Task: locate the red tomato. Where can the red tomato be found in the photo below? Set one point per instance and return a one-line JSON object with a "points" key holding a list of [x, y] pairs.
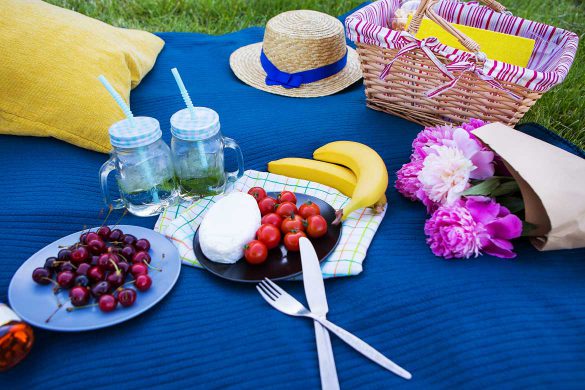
{"points": [[286, 209], [258, 193], [291, 240], [255, 252], [309, 208], [316, 226], [294, 222], [272, 219], [269, 235], [266, 205], [286, 196]]}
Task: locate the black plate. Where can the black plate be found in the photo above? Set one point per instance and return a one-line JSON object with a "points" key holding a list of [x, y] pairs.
{"points": [[280, 264]]}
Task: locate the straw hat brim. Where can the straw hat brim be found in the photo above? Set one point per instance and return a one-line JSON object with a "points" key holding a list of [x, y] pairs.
{"points": [[245, 63]]}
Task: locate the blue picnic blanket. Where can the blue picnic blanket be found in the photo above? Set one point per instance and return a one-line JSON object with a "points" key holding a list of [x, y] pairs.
{"points": [[481, 323]]}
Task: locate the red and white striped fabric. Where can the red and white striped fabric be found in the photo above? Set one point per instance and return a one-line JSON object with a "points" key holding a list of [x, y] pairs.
{"points": [[549, 64]]}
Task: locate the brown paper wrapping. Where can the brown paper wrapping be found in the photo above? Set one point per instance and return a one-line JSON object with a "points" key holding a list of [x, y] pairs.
{"points": [[552, 183]]}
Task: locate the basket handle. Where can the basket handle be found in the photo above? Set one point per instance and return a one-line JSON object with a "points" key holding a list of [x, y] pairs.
{"points": [[425, 8]]}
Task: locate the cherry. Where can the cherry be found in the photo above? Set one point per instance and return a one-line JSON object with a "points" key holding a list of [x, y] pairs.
{"points": [[142, 245], [116, 279], [95, 274], [41, 276], [107, 260], [128, 252], [138, 269], [129, 239], [79, 296], [143, 282], [141, 257], [81, 280], [65, 279], [97, 246], [104, 232], [79, 255], [82, 269], [107, 303], [116, 235], [92, 236], [126, 297], [124, 266], [51, 264], [64, 254], [83, 238], [67, 266], [101, 288], [94, 260]]}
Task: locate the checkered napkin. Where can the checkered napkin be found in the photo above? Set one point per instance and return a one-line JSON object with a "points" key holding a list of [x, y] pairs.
{"points": [[180, 222]]}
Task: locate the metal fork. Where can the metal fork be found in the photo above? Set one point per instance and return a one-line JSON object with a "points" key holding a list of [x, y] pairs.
{"points": [[287, 304]]}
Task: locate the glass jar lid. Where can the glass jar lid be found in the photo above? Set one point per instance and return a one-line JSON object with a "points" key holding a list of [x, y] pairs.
{"points": [[145, 131], [204, 124]]}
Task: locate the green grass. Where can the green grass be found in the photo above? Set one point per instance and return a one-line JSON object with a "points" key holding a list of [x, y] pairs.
{"points": [[562, 109]]}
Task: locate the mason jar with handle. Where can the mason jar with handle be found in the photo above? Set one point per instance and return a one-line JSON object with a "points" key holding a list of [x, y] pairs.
{"points": [[143, 165], [198, 153]]}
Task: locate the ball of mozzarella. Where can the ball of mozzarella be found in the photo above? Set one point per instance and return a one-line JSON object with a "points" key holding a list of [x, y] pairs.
{"points": [[229, 224]]}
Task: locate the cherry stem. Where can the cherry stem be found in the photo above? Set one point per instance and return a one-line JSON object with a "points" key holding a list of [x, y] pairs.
{"points": [[118, 221], [111, 208], [71, 308], [152, 266], [59, 306], [115, 266]]}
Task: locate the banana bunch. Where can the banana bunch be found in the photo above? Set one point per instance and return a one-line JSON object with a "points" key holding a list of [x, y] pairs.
{"points": [[364, 180]]}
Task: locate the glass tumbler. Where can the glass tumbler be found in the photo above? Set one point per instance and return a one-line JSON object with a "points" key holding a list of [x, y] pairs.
{"points": [[198, 153], [144, 168]]}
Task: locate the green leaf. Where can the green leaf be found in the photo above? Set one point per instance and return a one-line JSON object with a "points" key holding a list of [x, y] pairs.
{"points": [[483, 188], [507, 188], [512, 203], [527, 227]]}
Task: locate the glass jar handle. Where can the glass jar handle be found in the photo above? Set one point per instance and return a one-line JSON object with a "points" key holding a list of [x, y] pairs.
{"points": [[105, 170], [231, 144]]}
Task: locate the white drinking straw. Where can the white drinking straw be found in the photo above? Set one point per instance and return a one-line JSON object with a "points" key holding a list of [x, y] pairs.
{"points": [[118, 100], [189, 104], [130, 117]]}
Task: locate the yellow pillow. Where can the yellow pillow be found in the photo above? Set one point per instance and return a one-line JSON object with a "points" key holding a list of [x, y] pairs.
{"points": [[50, 60]]}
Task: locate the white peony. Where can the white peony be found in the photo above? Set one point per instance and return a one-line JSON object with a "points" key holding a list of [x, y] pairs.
{"points": [[445, 174]]}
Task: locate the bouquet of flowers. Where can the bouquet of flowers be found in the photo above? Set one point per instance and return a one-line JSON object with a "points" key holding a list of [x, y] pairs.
{"points": [[473, 202]]}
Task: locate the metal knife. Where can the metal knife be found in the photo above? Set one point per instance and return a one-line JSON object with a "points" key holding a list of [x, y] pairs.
{"points": [[315, 293]]}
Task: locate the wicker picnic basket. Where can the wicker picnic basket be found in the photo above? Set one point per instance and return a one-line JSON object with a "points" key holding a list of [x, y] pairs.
{"points": [[430, 83]]}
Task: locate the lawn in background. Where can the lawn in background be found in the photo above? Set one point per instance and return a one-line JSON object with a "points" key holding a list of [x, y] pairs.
{"points": [[562, 109]]}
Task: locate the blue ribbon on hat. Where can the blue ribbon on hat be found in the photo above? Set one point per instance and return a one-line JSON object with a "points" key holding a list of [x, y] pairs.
{"points": [[275, 76]]}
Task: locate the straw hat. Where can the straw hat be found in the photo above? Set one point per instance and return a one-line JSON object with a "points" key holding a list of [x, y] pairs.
{"points": [[309, 42]]}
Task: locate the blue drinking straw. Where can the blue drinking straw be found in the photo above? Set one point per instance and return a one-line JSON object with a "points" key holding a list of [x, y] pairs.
{"points": [[192, 111], [130, 117]]}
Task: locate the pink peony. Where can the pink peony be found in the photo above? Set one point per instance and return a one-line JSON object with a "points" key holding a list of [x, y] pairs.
{"points": [[470, 226], [500, 226], [473, 124], [407, 182], [461, 138], [452, 232], [429, 137], [445, 174]]}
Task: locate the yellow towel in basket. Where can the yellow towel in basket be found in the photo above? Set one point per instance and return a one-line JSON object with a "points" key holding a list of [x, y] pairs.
{"points": [[497, 46]]}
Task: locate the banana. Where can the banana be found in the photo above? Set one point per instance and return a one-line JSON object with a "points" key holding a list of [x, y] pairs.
{"points": [[331, 175], [365, 163], [325, 173]]}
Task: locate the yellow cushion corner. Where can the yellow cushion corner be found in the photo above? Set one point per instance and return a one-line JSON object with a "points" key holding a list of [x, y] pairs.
{"points": [[50, 61]]}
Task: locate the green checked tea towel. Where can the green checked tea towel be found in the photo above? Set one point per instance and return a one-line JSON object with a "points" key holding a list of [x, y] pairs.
{"points": [[180, 222]]}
